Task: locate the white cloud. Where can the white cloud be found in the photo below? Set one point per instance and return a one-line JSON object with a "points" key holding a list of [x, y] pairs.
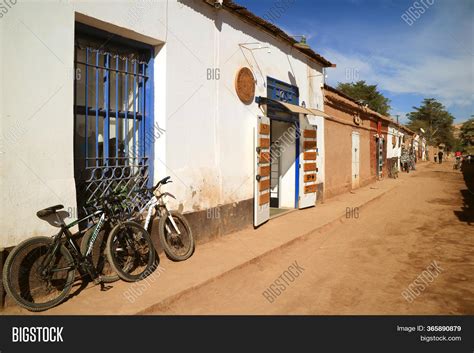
{"points": [[432, 58], [448, 78]]}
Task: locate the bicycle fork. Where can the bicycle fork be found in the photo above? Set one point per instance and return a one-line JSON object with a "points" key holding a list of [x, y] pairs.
{"points": [[150, 213], [172, 222]]}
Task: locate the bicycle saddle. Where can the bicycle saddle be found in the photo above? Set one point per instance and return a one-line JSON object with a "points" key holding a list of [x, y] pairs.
{"points": [[48, 211]]}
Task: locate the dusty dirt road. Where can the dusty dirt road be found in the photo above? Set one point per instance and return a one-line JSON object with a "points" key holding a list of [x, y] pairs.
{"points": [[363, 265]]}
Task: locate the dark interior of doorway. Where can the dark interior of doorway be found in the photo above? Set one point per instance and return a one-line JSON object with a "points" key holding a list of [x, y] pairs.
{"points": [[279, 145]]}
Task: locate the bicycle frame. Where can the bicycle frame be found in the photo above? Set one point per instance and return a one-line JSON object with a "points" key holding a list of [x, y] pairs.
{"points": [[155, 202], [76, 253], [150, 207]]}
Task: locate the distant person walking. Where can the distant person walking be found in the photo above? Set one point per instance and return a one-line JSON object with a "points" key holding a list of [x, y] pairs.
{"points": [[440, 157], [457, 162]]}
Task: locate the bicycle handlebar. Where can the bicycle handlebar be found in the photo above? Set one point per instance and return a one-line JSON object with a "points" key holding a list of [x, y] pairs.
{"points": [[163, 181]]}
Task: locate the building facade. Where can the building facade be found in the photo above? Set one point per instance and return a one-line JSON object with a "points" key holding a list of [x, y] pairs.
{"points": [[395, 141], [228, 105], [356, 147]]}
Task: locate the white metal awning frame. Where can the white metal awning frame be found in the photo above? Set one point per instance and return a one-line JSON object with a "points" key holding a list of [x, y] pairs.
{"points": [[293, 108]]}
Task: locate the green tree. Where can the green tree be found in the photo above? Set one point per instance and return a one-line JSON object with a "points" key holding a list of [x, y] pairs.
{"points": [[466, 136], [435, 120], [366, 94]]}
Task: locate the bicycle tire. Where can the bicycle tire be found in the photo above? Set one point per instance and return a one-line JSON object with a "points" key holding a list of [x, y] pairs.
{"points": [[169, 248], [8, 281], [98, 254], [118, 238]]}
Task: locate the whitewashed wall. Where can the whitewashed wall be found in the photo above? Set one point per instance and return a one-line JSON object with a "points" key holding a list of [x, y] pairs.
{"points": [[423, 148], [213, 119], [36, 110], [208, 144], [394, 151], [36, 116]]}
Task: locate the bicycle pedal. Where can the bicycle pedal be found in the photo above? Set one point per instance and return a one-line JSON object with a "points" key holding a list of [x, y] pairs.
{"points": [[104, 288]]}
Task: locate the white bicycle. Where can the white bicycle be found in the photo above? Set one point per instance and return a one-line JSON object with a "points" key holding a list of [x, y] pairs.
{"points": [[174, 231]]}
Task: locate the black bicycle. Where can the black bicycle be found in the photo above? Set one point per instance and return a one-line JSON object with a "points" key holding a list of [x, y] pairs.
{"points": [[39, 273], [125, 248]]}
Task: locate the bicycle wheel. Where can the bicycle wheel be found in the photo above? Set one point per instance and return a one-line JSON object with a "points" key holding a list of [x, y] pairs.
{"points": [[36, 279], [130, 251], [98, 254], [178, 247]]}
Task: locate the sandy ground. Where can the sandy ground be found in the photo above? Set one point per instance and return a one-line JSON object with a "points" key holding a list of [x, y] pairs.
{"points": [[365, 263]]}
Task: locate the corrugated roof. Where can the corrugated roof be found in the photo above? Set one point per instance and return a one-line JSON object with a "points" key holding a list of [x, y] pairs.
{"points": [[245, 14]]}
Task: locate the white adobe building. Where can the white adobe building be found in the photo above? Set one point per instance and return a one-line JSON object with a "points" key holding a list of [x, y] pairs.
{"points": [[93, 95], [419, 146], [394, 142]]}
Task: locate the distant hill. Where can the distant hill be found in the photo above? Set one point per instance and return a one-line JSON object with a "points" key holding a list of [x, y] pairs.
{"points": [[457, 129]]}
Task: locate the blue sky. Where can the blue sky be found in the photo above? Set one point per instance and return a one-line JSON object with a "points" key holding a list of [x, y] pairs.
{"points": [[430, 56]]}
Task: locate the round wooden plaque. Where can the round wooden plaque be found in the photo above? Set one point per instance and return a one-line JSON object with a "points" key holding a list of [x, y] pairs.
{"points": [[245, 85], [357, 119]]}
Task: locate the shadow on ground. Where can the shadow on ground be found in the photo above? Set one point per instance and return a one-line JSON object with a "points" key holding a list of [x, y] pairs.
{"points": [[467, 210]]}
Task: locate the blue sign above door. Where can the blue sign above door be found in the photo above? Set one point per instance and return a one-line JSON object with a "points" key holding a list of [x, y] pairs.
{"points": [[282, 91]]}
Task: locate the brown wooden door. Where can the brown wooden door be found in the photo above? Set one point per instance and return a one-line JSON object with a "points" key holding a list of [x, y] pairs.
{"points": [[262, 171], [308, 166]]}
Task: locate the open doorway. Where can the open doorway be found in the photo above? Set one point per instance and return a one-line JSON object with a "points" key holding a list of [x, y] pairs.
{"points": [[277, 153], [282, 172]]}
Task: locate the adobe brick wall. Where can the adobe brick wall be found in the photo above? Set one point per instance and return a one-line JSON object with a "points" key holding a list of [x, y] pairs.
{"points": [[338, 147], [338, 158]]}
